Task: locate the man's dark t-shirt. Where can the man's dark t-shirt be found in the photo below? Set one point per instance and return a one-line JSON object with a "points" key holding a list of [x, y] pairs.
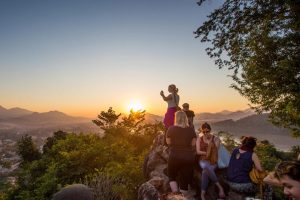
{"points": [[189, 113], [181, 138]]}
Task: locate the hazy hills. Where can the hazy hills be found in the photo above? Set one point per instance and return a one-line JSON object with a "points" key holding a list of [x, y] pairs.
{"points": [[13, 112], [259, 127], [17, 121], [209, 117], [223, 115], [246, 122], [47, 118]]}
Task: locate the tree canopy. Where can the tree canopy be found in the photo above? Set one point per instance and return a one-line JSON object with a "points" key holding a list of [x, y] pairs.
{"points": [[259, 41], [110, 164], [107, 120]]}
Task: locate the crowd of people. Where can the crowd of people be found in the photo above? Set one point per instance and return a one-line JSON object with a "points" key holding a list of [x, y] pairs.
{"points": [[185, 145]]}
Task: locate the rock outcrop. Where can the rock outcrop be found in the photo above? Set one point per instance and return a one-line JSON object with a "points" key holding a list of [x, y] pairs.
{"points": [[156, 164], [155, 170]]}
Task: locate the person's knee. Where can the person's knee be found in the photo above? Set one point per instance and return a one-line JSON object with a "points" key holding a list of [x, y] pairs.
{"points": [[204, 165]]}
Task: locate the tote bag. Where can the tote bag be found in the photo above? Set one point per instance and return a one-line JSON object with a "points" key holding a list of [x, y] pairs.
{"points": [[223, 157]]}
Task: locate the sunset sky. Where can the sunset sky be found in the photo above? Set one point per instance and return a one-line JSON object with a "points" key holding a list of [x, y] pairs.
{"points": [[83, 56]]}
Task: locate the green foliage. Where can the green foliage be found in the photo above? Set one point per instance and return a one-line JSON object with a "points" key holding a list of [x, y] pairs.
{"points": [[104, 186], [260, 42], [268, 155], [107, 120], [132, 122], [228, 140], [295, 151], [27, 150], [58, 135], [115, 159], [5, 163]]}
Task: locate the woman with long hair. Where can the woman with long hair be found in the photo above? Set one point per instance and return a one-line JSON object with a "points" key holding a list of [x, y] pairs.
{"points": [[207, 147], [181, 139]]}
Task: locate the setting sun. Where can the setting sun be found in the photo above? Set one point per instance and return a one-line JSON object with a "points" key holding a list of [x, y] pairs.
{"points": [[135, 105]]}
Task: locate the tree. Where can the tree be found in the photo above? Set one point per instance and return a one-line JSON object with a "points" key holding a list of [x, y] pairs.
{"points": [[295, 150], [106, 120], [27, 150], [133, 122], [114, 161], [260, 42], [58, 135]]}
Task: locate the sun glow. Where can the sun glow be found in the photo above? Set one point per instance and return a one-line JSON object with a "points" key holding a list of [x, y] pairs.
{"points": [[135, 105]]}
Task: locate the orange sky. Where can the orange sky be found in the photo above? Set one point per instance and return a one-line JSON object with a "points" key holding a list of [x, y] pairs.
{"points": [[53, 58]]}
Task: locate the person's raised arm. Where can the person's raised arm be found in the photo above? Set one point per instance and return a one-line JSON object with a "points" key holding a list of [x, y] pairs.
{"points": [[165, 98], [256, 162], [272, 180]]}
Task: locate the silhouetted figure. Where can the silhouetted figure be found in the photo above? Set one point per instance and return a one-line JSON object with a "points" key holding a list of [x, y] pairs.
{"points": [[189, 113], [173, 100]]}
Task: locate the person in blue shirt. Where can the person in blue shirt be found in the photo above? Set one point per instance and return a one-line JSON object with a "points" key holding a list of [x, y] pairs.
{"points": [[242, 160]]}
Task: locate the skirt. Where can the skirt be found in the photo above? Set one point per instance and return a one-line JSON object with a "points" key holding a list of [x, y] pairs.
{"points": [[170, 117]]}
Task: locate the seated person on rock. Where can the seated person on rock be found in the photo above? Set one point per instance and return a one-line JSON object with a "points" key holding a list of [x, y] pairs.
{"points": [[242, 160], [181, 139], [207, 147]]}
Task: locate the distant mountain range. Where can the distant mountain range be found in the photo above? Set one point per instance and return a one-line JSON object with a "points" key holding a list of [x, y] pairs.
{"points": [[245, 122], [13, 112], [259, 127], [223, 115], [210, 117], [18, 121]]}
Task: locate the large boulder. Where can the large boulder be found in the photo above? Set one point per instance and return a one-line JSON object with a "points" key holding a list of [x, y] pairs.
{"points": [[156, 164], [74, 192]]}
